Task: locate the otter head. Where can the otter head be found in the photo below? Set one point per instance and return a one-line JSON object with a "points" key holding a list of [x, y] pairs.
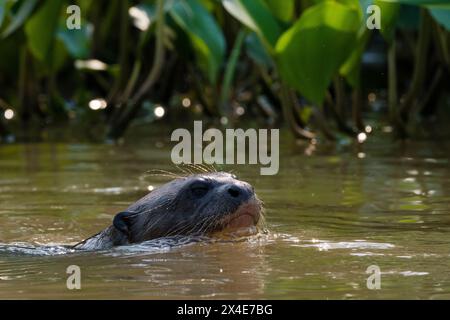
{"points": [[200, 204]]}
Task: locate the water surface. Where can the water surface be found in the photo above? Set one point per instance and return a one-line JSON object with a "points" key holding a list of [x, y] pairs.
{"points": [[331, 213]]}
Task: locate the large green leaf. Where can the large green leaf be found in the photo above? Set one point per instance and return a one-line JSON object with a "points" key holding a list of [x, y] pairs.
{"points": [[418, 2], [76, 41], [257, 17], [204, 33], [25, 9], [310, 53], [408, 18], [41, 30], [441, 13], [352, 66], [389, 13], [283, 10], [439, 9]]}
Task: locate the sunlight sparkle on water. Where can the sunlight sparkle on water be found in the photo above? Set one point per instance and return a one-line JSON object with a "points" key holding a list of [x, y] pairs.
{"points": [[9, 114], [186, 102], [240, 111], [140, 18], [97, 104], [224, 121], [92, 64], [159, 112], [362, 137]]}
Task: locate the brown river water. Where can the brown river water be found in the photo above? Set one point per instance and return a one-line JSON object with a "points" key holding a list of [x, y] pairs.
{"points": [[331, 212]]}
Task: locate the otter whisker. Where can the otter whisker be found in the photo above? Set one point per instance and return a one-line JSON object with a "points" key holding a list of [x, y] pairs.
{"points": [[206, 224], [197, 168], [160, 172], [178, 230], [163, 171], [149, 227], [149, 210], [209, 167], [161, 175], [185, 170], [193, 229], [175, 228]]}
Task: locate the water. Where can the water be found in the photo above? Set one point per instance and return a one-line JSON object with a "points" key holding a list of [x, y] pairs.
{"points": [[330, 215]]}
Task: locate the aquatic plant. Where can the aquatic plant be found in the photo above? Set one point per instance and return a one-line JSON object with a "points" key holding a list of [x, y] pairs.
{"points": [[308, 62]]}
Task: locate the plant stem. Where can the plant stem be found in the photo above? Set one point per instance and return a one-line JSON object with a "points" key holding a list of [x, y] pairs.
{"points": [[289, 117], [340, 97], [322, 123], [432, 90], [392, 83], [341, 124], [229, 72], [132, 81], [123, 45], [442, 44], [159, 56], [418, 77], [356, 109], [117, 129], [24, 108]]}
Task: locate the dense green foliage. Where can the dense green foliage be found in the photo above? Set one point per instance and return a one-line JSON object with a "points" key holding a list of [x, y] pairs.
{"points": [[302, 59]]}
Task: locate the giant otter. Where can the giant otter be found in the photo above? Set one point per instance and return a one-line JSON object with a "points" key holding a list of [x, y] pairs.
{"points": [[199, 204]]}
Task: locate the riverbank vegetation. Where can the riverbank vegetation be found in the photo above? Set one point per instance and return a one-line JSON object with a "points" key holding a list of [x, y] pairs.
{"points": [[321, 68]]}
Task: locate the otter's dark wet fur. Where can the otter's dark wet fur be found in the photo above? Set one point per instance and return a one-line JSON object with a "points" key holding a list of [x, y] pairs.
{"points": [[198, 204]]}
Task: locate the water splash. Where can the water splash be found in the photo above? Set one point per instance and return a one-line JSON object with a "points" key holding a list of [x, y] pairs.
{"points": [[30, 249]]}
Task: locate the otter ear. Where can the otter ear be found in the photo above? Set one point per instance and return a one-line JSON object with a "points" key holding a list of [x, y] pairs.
{"points": [[122, 221]]}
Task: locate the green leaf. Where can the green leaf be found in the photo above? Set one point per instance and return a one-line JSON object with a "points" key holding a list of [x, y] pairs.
{"points": [[441, 13], [389, 14], [439, 9], [388, 19], [257, 17], [256, 51], [408, 18], [2, 11], [353, 4], [352, 66], [283, 10], [59, 55], [41, 30], [310, 53], [204, 33], [19, 18], [76, 41], [418, 2]]}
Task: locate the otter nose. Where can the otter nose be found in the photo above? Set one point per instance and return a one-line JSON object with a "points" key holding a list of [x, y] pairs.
{"points": [[234, 191], [240, 192]]}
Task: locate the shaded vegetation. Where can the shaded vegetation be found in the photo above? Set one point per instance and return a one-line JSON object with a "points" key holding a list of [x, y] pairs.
{"points": [[306, 63]]}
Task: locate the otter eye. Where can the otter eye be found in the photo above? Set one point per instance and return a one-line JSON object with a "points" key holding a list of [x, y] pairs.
{"points": [[199, 189]]}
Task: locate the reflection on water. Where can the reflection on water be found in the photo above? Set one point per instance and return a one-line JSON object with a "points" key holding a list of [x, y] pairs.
{"points": [[330, 214]]}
